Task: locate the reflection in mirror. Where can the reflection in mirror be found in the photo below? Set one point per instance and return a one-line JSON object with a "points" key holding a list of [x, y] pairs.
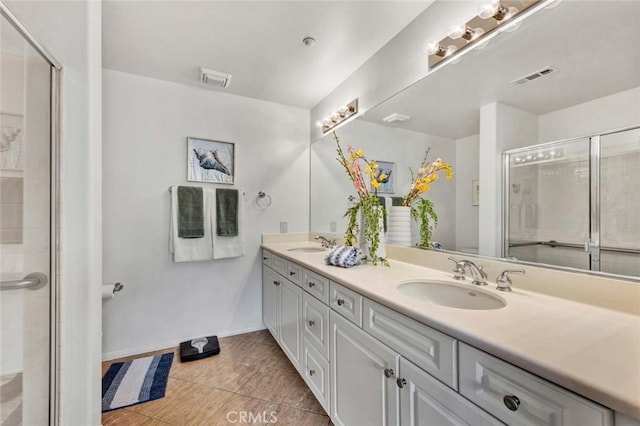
{"points": [[567, 72]]}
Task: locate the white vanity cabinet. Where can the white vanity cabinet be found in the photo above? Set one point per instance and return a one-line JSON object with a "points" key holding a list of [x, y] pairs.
{"points": [[270, 301], [424, 401], [282, 313], [370, 365], [363, 381]]}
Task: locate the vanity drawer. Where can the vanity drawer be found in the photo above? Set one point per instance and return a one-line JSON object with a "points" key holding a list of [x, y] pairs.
{"points": [[315, 315], [316, 374], [431, 350], [346, 302], [294, 273], [520, 398], [266, 258], [279, 264], [316, 285]]}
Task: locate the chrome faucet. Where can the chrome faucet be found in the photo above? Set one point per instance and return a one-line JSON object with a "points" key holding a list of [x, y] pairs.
{"points": [[326, 243], [478, 276], [504, 281]]}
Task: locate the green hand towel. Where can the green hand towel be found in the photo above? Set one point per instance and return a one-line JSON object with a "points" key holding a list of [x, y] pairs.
{"points": [[190, 212], [226, 212]]}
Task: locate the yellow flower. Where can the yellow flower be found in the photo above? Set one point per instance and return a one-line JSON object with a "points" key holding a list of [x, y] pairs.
{"points": [[375, 184], [359, 153], [368, 169], [382, 177], [373, 164]]}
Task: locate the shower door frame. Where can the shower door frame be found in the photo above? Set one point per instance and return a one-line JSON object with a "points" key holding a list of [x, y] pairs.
{"points": [[56, 70], [592, 246]]}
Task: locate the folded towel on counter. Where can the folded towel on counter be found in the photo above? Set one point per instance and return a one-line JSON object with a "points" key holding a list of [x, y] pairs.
{"points": [[190, 212], [226, 212], [230, 245], [191, 249], [344, 256]]}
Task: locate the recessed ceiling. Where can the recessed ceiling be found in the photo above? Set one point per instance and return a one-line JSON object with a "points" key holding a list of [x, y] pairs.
{"points": [[592, 45], [258, 42]]}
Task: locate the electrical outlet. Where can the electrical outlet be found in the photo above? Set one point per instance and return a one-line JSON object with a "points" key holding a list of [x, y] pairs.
{"points": [[333, 226], [283, 227]]}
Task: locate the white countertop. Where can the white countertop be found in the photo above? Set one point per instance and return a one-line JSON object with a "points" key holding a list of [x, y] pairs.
{"points": [[592, 351]]}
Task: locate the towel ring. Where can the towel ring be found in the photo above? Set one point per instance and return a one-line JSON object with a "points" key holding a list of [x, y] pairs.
{"points": [[263, 200]]}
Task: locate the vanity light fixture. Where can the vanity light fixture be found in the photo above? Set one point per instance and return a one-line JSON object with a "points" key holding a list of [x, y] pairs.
{"points": [[497, 11], [495, 15], [343, 113], [462, 31]]}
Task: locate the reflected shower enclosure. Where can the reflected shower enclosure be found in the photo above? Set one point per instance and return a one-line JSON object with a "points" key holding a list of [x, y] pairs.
{"points": [[575, 203]]}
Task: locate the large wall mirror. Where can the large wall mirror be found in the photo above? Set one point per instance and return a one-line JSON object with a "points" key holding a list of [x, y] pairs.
{"points": [[555, 95]]}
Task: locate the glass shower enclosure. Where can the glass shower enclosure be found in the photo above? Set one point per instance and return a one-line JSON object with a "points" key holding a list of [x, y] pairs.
{"points": [[29, 82], [575, 203]]}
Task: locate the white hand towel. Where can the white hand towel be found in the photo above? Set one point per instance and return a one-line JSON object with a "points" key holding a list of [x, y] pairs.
{"points": [[224, 247], [191, 249]]}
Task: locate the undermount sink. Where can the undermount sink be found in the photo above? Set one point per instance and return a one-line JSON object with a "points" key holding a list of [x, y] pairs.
{"points": [[307, 249], [461, 296]]}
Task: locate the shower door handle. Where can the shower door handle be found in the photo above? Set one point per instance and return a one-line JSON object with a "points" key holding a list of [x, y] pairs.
{"points": [[33, 281]]}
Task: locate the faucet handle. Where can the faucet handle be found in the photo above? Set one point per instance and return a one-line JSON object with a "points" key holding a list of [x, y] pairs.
{"points": [[458, 270], [504, 281]]}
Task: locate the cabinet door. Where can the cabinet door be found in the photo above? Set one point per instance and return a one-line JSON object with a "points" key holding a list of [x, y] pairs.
{"points": [[291, 321], [424, 401], [270, 303], [360, 393]]}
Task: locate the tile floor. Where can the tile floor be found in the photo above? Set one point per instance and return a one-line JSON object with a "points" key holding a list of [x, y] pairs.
{"points": [[251, 374]]}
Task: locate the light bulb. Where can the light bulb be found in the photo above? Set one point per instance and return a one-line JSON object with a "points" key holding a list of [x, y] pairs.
{"points": [[432, 48], [488, 10], [450, 50], [457, 31], [318, 124]]}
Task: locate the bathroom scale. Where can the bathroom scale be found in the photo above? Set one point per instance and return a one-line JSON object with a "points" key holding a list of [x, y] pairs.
{"points": [[199, 348]]}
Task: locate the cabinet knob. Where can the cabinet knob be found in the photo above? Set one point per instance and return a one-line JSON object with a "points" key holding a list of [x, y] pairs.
{"points": [[276, 283], [291, 273], [311, 284], [512, 402], [312, 372], [340, 302], [311, 323], [401, 382], [388, 372]]}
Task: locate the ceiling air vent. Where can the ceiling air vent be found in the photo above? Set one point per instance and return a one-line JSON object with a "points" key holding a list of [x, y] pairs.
{"points": [[396, 117], [534, 76], [214, 78]]}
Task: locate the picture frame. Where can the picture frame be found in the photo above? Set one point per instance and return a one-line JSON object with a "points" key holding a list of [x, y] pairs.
{"points": [[388, 168], [210, 161], [475, 192]]}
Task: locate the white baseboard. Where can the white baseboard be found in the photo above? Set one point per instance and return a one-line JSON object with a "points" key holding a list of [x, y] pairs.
{"points": [[165, 345]]}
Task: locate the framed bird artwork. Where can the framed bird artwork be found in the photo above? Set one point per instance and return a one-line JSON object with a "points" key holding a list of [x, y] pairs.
{"points": [[210, 161]]}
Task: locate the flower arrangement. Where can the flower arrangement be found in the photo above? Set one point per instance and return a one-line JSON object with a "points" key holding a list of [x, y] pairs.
{"points": [[422, 210], [360, 170]]}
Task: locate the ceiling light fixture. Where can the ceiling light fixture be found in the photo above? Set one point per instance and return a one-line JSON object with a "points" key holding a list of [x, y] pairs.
{"points": [[343, 113], [495, 15], [308, 41]]}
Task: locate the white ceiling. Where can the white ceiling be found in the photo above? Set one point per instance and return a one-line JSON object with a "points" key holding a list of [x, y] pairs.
{"points": [[258, 42], [595, 46]]}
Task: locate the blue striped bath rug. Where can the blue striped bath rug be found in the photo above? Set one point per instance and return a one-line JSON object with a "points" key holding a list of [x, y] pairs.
{"points": [[132, 382]]}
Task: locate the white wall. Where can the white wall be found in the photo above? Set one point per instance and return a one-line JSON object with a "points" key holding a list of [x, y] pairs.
{"points": [[398, 64], [71, 32], [611, 112], [502, 128], [331, 186], [467, 170], [146, 123]]}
